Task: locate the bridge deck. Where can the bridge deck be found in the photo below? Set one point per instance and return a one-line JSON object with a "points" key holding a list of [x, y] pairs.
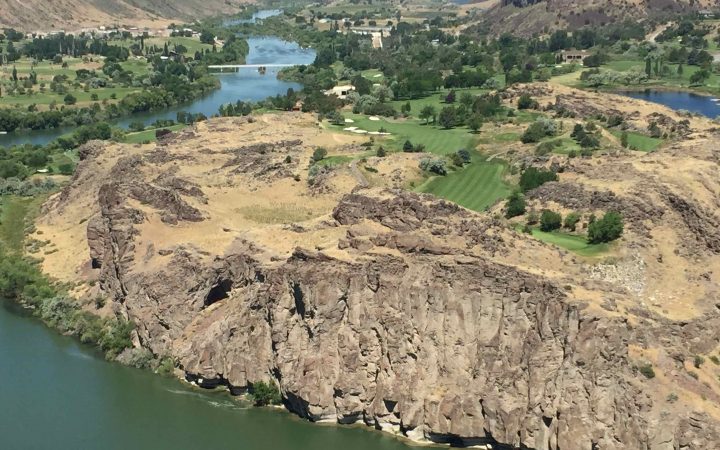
{"points": [[240, 66]]}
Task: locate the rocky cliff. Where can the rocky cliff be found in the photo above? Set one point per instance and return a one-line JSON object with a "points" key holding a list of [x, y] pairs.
{"points": [[395, 309]]}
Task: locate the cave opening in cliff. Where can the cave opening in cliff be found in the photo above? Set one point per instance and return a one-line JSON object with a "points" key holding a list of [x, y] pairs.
{"points": [[220, 291], [95, 263], [299, 297]]}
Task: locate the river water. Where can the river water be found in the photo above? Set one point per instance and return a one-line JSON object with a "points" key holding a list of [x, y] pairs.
{"points": [[56, 394], [246, 84], [700, 104]]}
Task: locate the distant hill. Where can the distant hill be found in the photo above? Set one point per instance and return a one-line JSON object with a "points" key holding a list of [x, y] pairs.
{"points": [[526, 17], [35, 15]]}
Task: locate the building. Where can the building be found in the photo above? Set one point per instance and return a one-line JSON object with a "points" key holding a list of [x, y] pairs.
{"points": [[573, 56], [341, 91]]}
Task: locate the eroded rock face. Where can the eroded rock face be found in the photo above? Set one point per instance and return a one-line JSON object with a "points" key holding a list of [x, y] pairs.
{"points": [[405, 314]]}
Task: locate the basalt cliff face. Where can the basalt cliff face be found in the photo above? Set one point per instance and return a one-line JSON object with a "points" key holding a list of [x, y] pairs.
{"points": [[374, 305]]}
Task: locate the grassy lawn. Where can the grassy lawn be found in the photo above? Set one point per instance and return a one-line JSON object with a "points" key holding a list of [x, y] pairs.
{"points": [[13, 213], [435, 139], [476, 186], [191, 43], [148, 135], [436, 100], [574, 243], [640, 141]]}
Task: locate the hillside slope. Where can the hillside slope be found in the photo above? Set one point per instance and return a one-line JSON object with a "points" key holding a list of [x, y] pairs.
{"points": [[527, 17], [31, 15], [402, 311]]}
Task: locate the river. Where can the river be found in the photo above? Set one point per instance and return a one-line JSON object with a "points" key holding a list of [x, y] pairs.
{"points": [[246, 84], [700, 104], [58, 394]]}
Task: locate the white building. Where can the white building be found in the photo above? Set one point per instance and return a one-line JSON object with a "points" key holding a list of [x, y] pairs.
{"points": [[341, 91]]}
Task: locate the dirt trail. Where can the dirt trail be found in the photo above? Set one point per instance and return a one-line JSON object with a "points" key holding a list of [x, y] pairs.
{"points": [[653, 35]]}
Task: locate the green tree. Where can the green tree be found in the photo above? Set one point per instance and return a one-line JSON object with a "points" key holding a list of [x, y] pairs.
{"points": [[264, 394], [607, 229], [571, 221], [532, 178], [680, 70], [381, 152], [515, 206], [624, 139], [550, 220], [207, 37], [699, 77], [319, 154], [427, 113], [533, 133], [448, 117], [475, 123], [70, 99], [526, 102]]}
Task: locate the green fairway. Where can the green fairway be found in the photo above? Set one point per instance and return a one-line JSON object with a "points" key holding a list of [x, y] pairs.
{"points": [[574, 243], [476, 186], [640, 141], [436, 100], [148, 135], [435, 139]]}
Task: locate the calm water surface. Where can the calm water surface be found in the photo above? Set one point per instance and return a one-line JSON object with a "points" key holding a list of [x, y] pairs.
{"points": [[701, 104], [246, 85], [56, 394]]}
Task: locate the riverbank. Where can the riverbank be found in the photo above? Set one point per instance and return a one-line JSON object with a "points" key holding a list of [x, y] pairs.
{"points": [[82, 401]]}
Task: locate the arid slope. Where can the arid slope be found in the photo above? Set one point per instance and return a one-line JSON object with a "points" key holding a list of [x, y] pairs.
{"points": [[49, 15], [399, 310]]}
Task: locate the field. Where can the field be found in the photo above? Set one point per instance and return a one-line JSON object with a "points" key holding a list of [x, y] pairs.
{"points": [[13, 212], [623, 64], [46, 71], [640, 141], [436, 100], [477, 186], [148, 135], [435, 139], [193, 44], [574, 243]]}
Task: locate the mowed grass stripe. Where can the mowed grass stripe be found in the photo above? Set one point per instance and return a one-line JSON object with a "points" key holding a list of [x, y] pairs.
{"points": [[475, 187]]}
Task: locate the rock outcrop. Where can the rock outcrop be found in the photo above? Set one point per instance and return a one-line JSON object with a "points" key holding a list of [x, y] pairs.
{"points": [[395, 309]]}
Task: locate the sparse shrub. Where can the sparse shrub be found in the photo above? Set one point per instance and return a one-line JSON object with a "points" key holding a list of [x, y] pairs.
{"points": [[532, 178], [715, 360], [698, 361], [532, 218], [571, 221], [381, 152], [515, 205], [319, 154], [434, 165], [647, 371], [527, 102], [550, 220]]}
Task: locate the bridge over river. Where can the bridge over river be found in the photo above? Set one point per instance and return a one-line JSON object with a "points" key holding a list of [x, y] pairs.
{"points": [[236, 67]]}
